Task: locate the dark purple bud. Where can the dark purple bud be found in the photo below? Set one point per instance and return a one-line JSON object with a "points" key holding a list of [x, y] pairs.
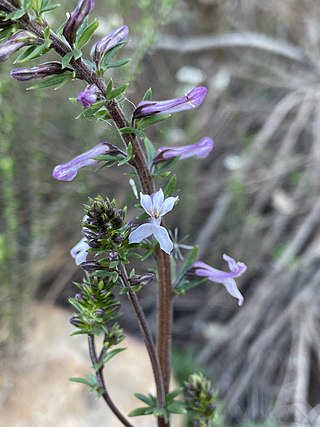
{"points": [[113, 255], [78, 297], [88, 96], [83, 9], [118, 238], [91, 266], [191, 100], [5, 24], [68, 171], [201, 149], [143, 279], [102, 46], [16, 42], [38, 72], [99, 312], [75, 321]]}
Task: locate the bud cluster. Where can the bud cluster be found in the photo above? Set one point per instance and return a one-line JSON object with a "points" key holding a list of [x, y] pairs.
{"points": [[95, 305], [200, 399], [105, 229]]}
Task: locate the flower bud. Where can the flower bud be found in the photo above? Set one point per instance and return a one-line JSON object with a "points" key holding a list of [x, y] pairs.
{"points": [[38, 72], [5, 24], [102, 46], [143, 279], [75, 321], [84, 7], [18, 40]]}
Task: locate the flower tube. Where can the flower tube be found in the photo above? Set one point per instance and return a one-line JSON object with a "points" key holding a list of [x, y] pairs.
{"points": [[188, 102], [200, 149], [37, 72], [82, 10], [102, 46], [17, 41]]}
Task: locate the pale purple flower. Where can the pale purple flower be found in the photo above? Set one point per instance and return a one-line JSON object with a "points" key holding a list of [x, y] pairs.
{"points": [[68, 171], [201, 149], [17, 41], [82, 10], [102, 46], [88, 96], [191, 100], [79, 251], [37, 72], [156, 206], [225, 278]]}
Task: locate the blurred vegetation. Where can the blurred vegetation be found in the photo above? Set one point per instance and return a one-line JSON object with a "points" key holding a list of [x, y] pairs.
{"points": [[256, 197]]}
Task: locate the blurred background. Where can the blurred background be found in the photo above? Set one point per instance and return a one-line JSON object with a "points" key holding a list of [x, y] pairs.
{"points": [[256, 198]]}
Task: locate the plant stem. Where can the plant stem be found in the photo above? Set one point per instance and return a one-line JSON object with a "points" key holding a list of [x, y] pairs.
{"points": [[83, 72], [133, 298], [99, 375]]}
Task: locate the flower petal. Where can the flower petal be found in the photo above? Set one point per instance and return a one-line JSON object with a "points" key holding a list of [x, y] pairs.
{"points": [[79, 251], [162, 235], [231, 287], [157, 200], [168, 205], [146, 203], [141, 233]]}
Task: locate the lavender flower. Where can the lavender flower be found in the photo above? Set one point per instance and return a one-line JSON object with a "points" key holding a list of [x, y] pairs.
{"points": [[201, 149], [191, 100], [79, 251], [68, 171], [88, 96], [225, 278], [82, 10], [38, 72], [17, 41], [102, 46], [156, 207]]}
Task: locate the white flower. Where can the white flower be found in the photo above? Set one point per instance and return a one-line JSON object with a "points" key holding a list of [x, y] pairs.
{"points": [[156, 207], [79, 251]]}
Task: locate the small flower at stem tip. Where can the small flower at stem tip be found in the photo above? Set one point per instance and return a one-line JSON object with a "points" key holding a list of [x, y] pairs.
{"points": [[156, 207], [201, 149], [88, 96], [188, 102], [68, 171], [37, 72], [225, 278], [82, 10], [102, 46]]}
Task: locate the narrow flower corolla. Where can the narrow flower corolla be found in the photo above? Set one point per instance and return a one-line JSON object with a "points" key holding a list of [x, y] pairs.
{"points": [[79, 251], [102, 46], [191, 100], [156, 206], [37, 72], [82, 10], [88, 96], [225, 278], [68, 171], [17, 41], [201, 149]]}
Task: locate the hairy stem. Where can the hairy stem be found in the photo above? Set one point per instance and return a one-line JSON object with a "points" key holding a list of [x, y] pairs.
{"points": [[101, 382]]}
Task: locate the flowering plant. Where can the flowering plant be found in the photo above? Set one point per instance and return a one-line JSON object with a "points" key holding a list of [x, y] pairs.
{"points": [[109, 241]]}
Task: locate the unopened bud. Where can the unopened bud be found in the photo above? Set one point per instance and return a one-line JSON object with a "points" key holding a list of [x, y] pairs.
{"points": [[38, 72], [18, 40], [102, 46], [83, 9], [75, 321]]}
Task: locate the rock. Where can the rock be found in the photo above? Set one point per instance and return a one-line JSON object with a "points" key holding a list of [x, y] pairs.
{"points": [[35, 392]]}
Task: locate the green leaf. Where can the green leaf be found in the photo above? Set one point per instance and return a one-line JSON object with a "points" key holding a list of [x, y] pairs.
{"points": [[176, 407], [127, 130], [162, 168], [119, 63], [49, 7], [141, 411], [173, 394], [31, 53], [106, 60], [87, 34], [117, 91], [66, 59], [148, 95], [5, 33], [57, 81], [144, 123], [150, 150], [77, 53], [107, 356], [149, 400], [170, 186], [15, 15]]}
